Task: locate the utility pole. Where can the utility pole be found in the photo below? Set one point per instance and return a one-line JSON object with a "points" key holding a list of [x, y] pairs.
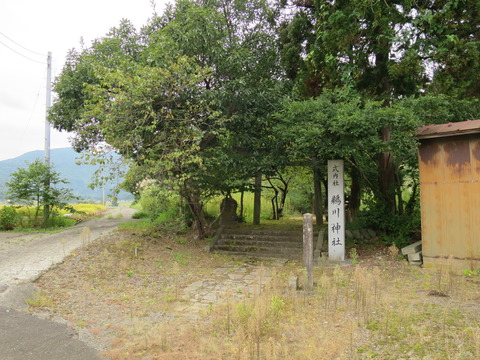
{"points": [[48, 104], [46, 207]]}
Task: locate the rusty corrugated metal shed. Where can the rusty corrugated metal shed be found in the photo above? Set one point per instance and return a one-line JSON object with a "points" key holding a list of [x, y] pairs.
{"points": [[449, 129], [449, 164]]}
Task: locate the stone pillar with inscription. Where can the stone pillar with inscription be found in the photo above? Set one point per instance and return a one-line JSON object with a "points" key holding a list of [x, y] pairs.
{"points": [[336, 211]]}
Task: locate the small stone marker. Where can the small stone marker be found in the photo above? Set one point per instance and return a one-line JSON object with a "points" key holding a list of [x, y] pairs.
{"points": [[228, 214], [308, 248], [336, 211], [317, 253]]}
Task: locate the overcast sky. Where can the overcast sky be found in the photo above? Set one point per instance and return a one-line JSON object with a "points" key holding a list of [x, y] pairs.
{"points": [[29, 29]]}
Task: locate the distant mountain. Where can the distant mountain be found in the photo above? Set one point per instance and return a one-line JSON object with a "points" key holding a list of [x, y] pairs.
{"points": [[64, 162]]}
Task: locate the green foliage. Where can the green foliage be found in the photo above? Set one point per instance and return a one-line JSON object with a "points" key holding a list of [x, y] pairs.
{"points": [[160, 210], [471, 273], [277, 306], [8, 218], [58, 221], [340, 125], [451, 41], [38, 186], [440, 109], [188, 100], [383, 50], [171, 218], [398, 229], [141, 215], [159, 205]]}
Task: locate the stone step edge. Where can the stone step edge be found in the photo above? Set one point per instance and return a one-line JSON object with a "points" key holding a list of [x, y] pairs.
{"points": [[266, 237], [256, 248], [260, 241], [257, 255], [263, 232]]}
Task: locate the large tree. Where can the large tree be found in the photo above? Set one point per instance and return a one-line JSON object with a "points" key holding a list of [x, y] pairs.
{"points": [[448, 39], [184, 98], [384, 51]]}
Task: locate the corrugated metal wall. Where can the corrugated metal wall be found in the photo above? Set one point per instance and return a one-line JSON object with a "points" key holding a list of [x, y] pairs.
{"points": [[450, 199]]}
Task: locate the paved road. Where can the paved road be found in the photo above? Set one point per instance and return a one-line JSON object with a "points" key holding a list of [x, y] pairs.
{"points": [[23, 257]]}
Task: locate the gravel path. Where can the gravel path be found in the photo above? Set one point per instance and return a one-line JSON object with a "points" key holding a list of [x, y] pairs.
{"points": [[23, 257]]}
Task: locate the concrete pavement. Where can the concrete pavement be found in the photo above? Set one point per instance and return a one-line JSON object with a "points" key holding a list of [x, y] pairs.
{"points": [[26, 337]]}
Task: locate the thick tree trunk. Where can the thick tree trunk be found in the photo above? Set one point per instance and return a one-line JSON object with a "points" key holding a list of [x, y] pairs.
{"points": [[318, 200], [387, 174], [324, 181], [242, 195], [409, 208], [355, 193], [383, 88], [274, 200], [283, 199], [275, 205], [196, 207], [193, 198], [257, 201]]}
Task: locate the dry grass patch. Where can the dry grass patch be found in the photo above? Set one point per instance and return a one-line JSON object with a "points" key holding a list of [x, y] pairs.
{"points": [[125, 292]]}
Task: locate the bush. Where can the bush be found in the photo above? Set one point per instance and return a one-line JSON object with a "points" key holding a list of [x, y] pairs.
{"points": [[154, 201], [141, 214], [398, 229], [301, 202], [60, 221], [162, 209], [8, 218], [172, 220]]}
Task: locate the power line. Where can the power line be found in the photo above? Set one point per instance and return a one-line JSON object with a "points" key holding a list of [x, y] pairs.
{"points": [[26, 57], [22, 138], [23, 47]]}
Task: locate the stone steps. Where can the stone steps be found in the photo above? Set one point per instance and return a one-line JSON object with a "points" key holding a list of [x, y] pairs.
{"points": [[262, 242], [263, 237], [259, 243], [276, 243], [259, 255], [259, 249]]}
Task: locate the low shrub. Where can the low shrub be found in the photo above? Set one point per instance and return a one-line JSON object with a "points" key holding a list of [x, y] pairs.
{"points": [[60, 221], [8, 218], [398, 229], [141, 214]]}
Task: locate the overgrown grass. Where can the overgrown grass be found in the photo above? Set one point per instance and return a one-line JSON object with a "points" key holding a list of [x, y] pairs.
{"points": [[59, 218], [127, 290], [88, 209]]}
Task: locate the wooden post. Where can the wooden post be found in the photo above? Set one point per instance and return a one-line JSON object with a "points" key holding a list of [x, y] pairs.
{"points": [[308, 248]]}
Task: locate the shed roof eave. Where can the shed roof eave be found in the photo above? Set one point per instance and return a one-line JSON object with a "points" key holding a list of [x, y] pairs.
{"points": [[448, 129], [434, 136]]}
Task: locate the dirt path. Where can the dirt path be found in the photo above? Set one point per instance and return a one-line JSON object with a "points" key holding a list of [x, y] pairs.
{"points": [[24, 256]]}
